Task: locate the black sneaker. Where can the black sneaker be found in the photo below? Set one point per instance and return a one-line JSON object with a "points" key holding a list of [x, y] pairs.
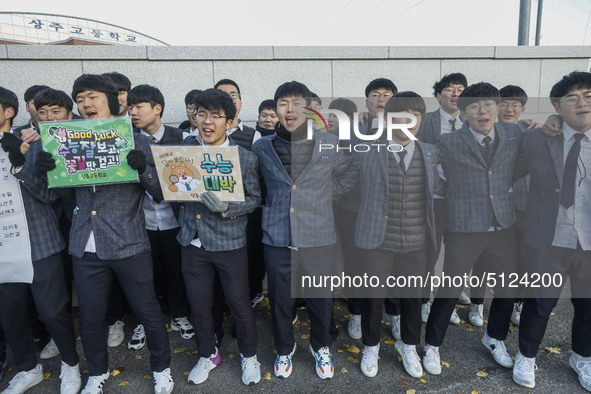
{"points": [[300, 304], [256, 299]]}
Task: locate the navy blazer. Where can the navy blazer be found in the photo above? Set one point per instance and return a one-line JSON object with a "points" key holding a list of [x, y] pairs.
{"points": [[372, 220], [219, 232], [475, 192]]}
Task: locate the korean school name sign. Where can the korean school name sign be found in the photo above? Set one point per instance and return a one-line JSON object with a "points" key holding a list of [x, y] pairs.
{"points": [[89, 152], [186, 172]]}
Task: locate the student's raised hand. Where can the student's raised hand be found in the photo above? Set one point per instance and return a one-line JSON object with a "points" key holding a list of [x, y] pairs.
{"points": [[213, 203], [363, 117], [30, 135], [12, 144], [45, 162], [553, 126], [530, 123], [137, 160]]}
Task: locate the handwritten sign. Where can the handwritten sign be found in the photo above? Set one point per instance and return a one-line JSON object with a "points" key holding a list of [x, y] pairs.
{"points": [[186, 172], [89, 152]]}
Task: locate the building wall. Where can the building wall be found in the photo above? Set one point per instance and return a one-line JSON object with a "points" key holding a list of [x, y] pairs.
{"points": [[328, 71]]}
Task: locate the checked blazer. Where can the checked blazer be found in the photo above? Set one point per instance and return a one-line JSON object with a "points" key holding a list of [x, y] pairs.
{"points": [[430, 129], [44, 232], [219, 232], [372, 219], [475, 192], [299, 212], [114, 213]]}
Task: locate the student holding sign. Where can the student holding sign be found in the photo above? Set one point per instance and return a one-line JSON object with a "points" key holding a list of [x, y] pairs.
{"points": [[48, 282], [213, 238], [109, 237]]}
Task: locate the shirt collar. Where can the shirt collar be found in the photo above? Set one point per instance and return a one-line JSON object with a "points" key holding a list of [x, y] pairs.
{"points": [[480, 137], [157, 135], [569, 132], [239, 126], [447, 116]]}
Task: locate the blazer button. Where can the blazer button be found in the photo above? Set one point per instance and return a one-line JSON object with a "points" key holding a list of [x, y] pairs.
{"points": [[490, 173], [291, 210], [386, 217], [557, 190], [198, 216], [93, 213], [491, 196], [293, 187], [150, 176]]}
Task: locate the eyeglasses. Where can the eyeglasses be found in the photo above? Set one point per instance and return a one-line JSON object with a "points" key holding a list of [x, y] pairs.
{"points": [[202, 116], [235, 96], [488, 106], [452, 90], [572, 99], [515, 106], [384, 95], [191, 109]]}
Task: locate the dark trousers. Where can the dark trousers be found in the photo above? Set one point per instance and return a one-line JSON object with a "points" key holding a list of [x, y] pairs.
{"points": [[351, 254], [168, 276], [382, 264], [117, 303], [15, 324], [462, 250], [256, 256], [280, 262], [199, 267], [540, 302], [93, 278], [51, 297], [440, 212]]}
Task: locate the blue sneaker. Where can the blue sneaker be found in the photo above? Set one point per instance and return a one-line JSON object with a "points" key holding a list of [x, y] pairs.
{"points": [[324, 365], [282, 366]]}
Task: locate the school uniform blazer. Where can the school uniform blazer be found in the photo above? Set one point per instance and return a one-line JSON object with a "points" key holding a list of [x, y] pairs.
{"points": [[44, 232], [544, 158], [474, 192], [299, 213], [430, 129], [222, 232], [372, 219], [115, 214]]}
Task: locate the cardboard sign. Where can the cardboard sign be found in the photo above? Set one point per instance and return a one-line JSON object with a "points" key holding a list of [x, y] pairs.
{"points": [[89, 152], [186, 172]]}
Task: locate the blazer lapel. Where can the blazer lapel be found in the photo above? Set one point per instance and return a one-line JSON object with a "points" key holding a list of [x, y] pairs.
{"points": [[469, 140], [556, 147], [275, 158], [501, 137], [428, 161]]}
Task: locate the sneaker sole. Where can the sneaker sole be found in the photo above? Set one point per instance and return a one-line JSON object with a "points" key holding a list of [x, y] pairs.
{"points": [[115, 344], [295, 345], [35, 382], [136, 347], [524, 383], [194, 382]]}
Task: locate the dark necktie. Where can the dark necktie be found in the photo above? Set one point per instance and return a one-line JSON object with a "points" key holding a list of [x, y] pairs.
{"points": [[402, 153], [487, 150], [452, 121], [567, 197], [153, 140]]}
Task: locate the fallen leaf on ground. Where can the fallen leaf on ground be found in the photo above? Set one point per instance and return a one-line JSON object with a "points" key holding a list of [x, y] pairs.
{"points": [[481, 374], [399, 359], [423, 381], [353, 360], [474, 392], [186, 373], [411, 391], [85, 371], [46, 375], [555, 350], [403, 383], [344, 370], [124, 384], [445, 364], [267, 376], [147, 376], [180, 349], [390, 342], [305, 336], [231, 355], [138, 357], [353, 349]]}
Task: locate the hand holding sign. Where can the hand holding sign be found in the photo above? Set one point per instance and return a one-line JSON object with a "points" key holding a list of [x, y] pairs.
{"points": [[45, 162], [137, 160], [12, 144], [213, 203]]}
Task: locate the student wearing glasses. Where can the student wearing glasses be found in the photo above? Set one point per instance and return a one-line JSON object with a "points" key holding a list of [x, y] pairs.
{"points": [[478, 161], [242, 135]]}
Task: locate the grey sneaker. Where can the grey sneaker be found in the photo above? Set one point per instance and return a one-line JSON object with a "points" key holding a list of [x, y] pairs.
{"points": [[369, 361], [116, 334], [163, 383], [582, 366], [354, 326], [251, 370], [431, 361], [49, 351], [498, 350], [24, 380], [524, 371], [410, 359]]}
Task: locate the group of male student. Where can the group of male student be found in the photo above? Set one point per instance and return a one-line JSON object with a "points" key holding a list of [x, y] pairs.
{"points": [[460, 179]]}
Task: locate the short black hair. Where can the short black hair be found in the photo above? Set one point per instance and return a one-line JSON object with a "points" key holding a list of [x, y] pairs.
{"points": [[32, 91], [189, 96], [226, 82], [146, 94], [406, 101], [383, 83], [478, 92], [215, 100], [267, 104], [98, 83], [449, 79], [292, 89], [345, 105], [513, 92], [574, 80], [122, 83], [51, 96], [9, 100], [315, 97]]}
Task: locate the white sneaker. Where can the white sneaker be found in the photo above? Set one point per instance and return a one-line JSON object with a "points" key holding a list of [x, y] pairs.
{"points": [[163, 383], [425, 311], [200, 371], [354, 326], [455, 318], [182, 324], [70, 379], [410, 359], [138, 340], [24, 380], [95, 384], [324, 365], [498, 350], [524, 371], [464, 299], [582, 366], [282, 366], [251, 370], [516, 315], [431, 361], [49, 351], [116, 334], [395, 322], [475, 316], [369, 361]]}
